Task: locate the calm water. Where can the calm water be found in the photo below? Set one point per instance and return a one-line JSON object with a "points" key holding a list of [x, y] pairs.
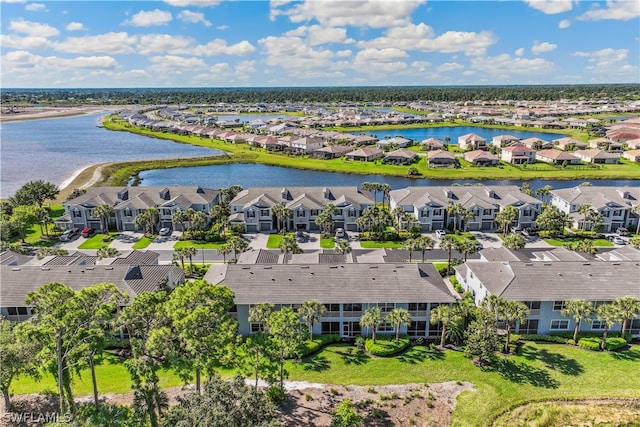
{"points": [[54, 149], [255, 175], [454, 132]]}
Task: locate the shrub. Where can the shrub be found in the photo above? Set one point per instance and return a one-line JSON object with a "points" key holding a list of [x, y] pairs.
{"points": [[545, 338], [387, 345], [390, 235], [276, 395], [590, 343], [360, 342], [615, 343], [308, 397], [313, 346]]}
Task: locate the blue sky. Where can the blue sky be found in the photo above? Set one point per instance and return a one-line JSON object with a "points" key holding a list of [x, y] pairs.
{"points": [[214, 43]]}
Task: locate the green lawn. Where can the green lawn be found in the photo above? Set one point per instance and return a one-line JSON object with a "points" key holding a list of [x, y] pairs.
{"points": [[96, 241], [274, 240], [370, 244], [143, 242], [540, 371], [198, 245], [34, 235], [329, 243], [565, 240]]}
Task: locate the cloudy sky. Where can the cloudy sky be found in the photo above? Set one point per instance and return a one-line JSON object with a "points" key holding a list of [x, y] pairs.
{"points": [[215, 43]]}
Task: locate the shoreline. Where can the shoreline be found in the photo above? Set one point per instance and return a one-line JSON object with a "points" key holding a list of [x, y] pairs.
{"points": [[31, 113], [81, 179]]}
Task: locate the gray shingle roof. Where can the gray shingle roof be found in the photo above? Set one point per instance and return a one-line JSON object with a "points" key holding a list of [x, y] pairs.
{"points": [[144, 197], [294, 284], [312, 197]]}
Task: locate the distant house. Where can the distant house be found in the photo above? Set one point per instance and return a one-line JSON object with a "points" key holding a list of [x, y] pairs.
{"points": [[556, 157], [504, 140], [441, 159], [331, 152], [472, 141], [633, 144], [596, 156], [367, 154], [481, 158], [397, 141], [401, 156], [568, 144], [365, 140], [306, 144], [536, 143], [606, 144], [518, 155], [270, 143], [432, 144], [633, 155]]}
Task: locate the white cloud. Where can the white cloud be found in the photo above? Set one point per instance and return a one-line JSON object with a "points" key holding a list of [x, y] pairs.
{"points": [[343, 53], [610, 64], [246, 67], [519, 52], [380, 63], [17, 42], [197, 3], [503, 67], [20, 60], [75, 26], [421, 37], [339, 13], [151, 43], [420, 66], [220, 47], [115, 43], [173, 63], [35, 7], [298, 58], [565, 23], [222, 27], [150, 18], [33, 29], [317, 35], [551, 7], [193, 17], [622, 10], [539, 48], [449, 66]]}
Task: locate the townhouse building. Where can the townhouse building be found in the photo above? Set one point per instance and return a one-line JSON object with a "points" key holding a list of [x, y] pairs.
{"points": [[545, 287], [429, 205], [129, 202], [253, 207], [472, 141], [346, 290], [518, 154], [615, 204]]}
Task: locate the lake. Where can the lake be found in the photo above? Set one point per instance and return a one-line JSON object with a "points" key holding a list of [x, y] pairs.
{"points": [[418, 135], [256, 175], [54, 149]]}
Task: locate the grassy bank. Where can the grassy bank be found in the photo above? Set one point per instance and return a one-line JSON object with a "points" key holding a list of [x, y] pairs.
{"points": [[121, 173]]}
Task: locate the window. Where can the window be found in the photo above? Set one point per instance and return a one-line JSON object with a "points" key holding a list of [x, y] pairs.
{"points": [[314, 212], [352, 213], [425, 213], [533, 305], [417, 306], [22, 311], [332, 307], [558, 305], [385, 327], [233, 309], [77, 214], [330, 328], [598, 325], [417, 329], [486, 212], [529, 327], [255, 327], [527, 212], [437, 212], [13, 311], [386, 306], [352, 307], [559, 324], [251, 214], [351, 329], [166, 211], [339, 212], [264, 212], [300, 214], [597, 304]]}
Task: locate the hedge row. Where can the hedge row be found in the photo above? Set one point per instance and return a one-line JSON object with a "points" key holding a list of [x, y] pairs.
{"points": [[546, 338], [317, 343], [595, 343], [386, 345], [569, 335]]}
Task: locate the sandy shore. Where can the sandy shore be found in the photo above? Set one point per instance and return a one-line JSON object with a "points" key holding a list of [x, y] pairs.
{"points": [[17, 113], [82, 178]]}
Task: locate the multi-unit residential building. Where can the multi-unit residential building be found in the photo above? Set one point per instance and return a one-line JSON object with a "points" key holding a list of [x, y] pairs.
{"points": [[129, 202], [346, 290], [615, 204], [518, 154], [545, 287], [472, 141], [429, 205], [253, 207]]}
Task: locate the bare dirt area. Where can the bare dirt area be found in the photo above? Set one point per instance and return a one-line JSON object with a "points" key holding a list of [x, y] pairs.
{"points": [[309, 404]]}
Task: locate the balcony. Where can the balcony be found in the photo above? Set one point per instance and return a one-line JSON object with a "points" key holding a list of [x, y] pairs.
{"points": [[357, 314]]}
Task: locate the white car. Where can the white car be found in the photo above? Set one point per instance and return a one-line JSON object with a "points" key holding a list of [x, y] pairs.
{"points": [[165, 231], [441, 233], [617, 240], [340, 233]]}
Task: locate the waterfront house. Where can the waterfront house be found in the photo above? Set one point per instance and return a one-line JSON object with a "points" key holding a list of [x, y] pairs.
{"points": [[401, 156], [481, 158], [366, 154], [306, 144], [331, 151], [397, 142], [252, 207], [518, 155], [613, 203], [597, 156], [129, 202], [441, 159], [431, 144], [472, 141], [568, 144], [536, 143], [545, 287], [346, 290], [632, 155], [607, 145], [500, 141], [556, 157]]}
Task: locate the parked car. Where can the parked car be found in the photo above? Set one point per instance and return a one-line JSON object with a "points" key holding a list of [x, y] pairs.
{"points": [[340, 233], [621, 231], [88, 232], [478, 246], [165, 231], [441, 233], [69, 234], [617, 240], [301, 237], [529, 232]]}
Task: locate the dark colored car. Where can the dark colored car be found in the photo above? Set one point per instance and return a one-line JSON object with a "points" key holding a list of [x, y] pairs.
{"points": [[69, 234], [301, 237], [88, 232]]}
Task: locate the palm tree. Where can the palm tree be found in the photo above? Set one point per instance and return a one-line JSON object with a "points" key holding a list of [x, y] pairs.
{"points": [[505, 217], [423, 244], [447, 244], [107, 252], [409, 245], [493, 303], [238, 245], [288, 245], [219, 214], [189, 252], [198, 220], [180, 217], [454, 211], [311, 311], [465, 216], [398, 317], [385, 189], [609, 316], [513, 311], [224, 250], [446, 316], [397, 213], [178, 255], [580, 310], [584, 210], [628, 309], [514, 241], [104, 212], [282, 214], [466, 247], [260, 314], [543, 192], [372, 318], [343, 247]]}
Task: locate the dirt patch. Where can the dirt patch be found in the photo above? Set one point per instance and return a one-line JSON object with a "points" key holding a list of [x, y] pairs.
{"points": [[309, 404]]}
